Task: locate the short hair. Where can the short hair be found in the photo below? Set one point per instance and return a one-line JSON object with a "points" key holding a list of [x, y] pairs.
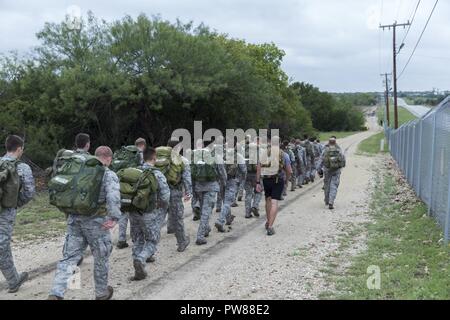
{"points": [[13, 143], [140, 141], [172, 143], [103, 152], [149, 154], [333, 137], [285, 143], [81, 140]]}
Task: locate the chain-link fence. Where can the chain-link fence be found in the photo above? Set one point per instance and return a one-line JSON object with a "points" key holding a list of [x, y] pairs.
{"points": [[422, 151]]}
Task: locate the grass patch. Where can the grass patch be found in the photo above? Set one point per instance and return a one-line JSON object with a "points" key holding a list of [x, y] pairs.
{"points": [[39, 219], [372, 144], [405, 244], [324, 136], [404, 115]]}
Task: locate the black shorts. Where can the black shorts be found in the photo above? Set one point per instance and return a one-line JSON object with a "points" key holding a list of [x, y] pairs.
{"points": [[273, 188]]}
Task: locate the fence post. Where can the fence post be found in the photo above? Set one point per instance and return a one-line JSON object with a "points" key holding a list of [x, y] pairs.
{"points": [[433, 150], [413, 151], [447, 217], [420, 160]]}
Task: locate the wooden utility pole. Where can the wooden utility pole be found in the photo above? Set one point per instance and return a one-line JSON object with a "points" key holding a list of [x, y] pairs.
{"points": [[386, 97], [394, 76]]}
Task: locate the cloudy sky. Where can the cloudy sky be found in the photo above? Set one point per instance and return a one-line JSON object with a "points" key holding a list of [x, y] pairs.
{"points": [[334, 44]]}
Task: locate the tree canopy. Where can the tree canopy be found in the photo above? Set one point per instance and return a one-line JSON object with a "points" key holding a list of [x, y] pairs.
{"points": [[146, 77]]}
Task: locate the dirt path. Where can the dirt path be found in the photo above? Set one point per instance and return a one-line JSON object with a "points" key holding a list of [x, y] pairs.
{"points": [[241, 264]]}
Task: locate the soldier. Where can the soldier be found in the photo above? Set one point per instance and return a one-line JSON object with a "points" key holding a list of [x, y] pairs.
{"points": [[317, 153], [274, 181], [309, 160], [18, 189], [252, 197], [175, 219], [235, 171], [141, 144], [92, 231], [331, 162], [145, 228], [301, 163], [207, 171], [195, 203]]}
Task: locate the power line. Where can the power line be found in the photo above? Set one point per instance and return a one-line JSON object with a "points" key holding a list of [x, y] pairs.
{"points": [[418, 41], [412, 21]]}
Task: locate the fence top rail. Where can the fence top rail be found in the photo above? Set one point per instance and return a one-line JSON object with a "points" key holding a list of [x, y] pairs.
{"points": [[444, 104]]}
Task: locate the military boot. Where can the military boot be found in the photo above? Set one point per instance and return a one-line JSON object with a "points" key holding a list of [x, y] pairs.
{"points": [[108, 296], [22, 279], [139, 271], [182, 247], [219, 227]]}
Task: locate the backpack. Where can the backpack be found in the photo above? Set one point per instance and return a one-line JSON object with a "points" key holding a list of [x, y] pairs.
{"points": [[170, 164], [333, 158], [126, 157], [266, 167], [251, 167], [232, 169], [201, 170], [61, 157], [75, 189], [9, 184], [138, 188]]}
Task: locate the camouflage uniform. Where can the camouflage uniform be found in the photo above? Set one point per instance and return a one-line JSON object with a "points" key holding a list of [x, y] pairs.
{"points": [[317, 153], [231, 189], [84, 231], [123, 221], [301, 165], [145, 228], [331, 179], [206, 193], [252, 198], [7, 220], [220, 198], [175, 221]]}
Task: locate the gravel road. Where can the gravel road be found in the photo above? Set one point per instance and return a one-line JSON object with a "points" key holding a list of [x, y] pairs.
{"points": [[241, 264]]}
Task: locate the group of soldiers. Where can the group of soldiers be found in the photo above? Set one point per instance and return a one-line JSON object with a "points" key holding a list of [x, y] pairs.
{"points": [[300, 161]]}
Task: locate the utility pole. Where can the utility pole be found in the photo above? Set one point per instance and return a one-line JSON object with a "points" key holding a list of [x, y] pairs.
{"points": [[386, 96], [394, 29]]}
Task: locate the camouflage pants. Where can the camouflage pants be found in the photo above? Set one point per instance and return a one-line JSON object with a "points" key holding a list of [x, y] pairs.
{"points": [[145, 230], [7, 219], [175, 218], [220, 198], [252, 198], [123, 225], [82, 232], [194, 201], [312, 170], [241, 188], [207, 200], [230, 195], [293, 179], [331, 184], [315, 167]]}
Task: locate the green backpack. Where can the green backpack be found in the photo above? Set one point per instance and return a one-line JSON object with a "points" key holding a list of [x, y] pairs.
{"points": [[333, 158], [9, 184], [251, 167], [76, 187], [126, 157], [138, 189], [61, 158], [201, 170], [170, 164]]}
